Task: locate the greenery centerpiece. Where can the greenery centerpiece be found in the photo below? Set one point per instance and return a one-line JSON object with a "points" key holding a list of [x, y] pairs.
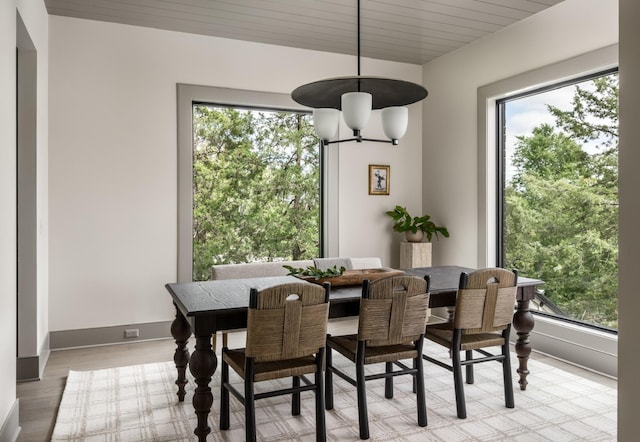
{"points": [[415, 227], [314, 272]]}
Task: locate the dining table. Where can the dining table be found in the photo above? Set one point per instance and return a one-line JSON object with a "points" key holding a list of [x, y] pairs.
{"points": [[206, 307]]}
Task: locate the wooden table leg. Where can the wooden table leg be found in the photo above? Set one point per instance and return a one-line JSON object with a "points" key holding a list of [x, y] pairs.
{"points": [[451, 311], [181, 330], [203, 364], [523, 323]]}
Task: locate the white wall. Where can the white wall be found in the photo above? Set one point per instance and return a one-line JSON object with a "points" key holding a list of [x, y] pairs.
{"points": [[7, 207], [40, 33], [450, 178], [113, 159]]}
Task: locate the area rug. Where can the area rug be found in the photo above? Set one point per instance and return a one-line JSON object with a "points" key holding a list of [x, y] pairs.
{"points": [[139, 403]]}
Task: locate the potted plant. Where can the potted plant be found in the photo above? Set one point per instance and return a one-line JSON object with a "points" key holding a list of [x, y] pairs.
{"points": [[416, 227]]}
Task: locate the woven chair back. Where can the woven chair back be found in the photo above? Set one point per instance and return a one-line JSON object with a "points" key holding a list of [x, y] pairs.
{"points": [[485, 304], [289, 321], [394, 311]]}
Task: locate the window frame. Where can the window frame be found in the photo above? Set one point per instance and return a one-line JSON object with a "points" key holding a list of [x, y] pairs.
{"points": [[500, 149], [187, 96], [578, 344]]}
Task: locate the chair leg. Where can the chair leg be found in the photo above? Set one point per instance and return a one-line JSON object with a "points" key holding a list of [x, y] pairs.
{"points": [[418, 382], [328, 385], [469, 368], [457, 374], [363, 416], [506, 374], [224, 396], [388, 381], [295, 399], [321, 424], [249, 404]]}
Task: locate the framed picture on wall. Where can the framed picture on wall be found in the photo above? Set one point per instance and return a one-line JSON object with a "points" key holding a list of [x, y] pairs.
{"points": [[379, 179]]}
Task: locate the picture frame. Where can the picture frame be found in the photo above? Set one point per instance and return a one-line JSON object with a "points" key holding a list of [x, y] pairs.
{"points": [[379, 176]]}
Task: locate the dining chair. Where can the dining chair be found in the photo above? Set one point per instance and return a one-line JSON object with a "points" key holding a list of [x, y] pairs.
{"points": [[391, 326], [286, 335], [482, 318]]}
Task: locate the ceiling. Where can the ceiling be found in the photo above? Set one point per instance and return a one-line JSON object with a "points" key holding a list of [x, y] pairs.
{"points": [[410, 31]]}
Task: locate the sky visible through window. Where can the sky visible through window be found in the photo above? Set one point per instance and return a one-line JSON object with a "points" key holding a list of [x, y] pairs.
{"points": [[523, 114]]}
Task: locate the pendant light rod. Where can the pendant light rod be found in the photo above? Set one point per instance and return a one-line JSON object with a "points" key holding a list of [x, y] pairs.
{"points": [[358, 29]]}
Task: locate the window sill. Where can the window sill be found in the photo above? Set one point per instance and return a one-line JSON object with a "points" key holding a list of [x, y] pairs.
{"points": [[589, 348]]}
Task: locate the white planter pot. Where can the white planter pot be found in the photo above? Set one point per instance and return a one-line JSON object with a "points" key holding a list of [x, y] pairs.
{"points": [[414, 237]]}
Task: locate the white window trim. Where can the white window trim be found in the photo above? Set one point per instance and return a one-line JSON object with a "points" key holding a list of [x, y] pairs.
{"points": [[576, 344], [187, 94]]}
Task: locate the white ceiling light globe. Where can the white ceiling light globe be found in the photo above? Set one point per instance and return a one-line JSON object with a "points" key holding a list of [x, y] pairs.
{"points": [[326, 122], [356, 109], [394, 121]]}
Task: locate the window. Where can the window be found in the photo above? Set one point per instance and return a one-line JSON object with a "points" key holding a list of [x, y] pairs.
{"points": [[187, 96], [572, 341], [256, 187], [558, 215]]}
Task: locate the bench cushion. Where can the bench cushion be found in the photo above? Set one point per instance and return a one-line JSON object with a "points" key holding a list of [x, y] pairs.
{"points": [[255, 269], [275, 268], [365, 263]]}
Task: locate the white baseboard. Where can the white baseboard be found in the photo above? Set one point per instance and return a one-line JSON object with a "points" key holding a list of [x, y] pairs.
{"points": [[10, 428]]}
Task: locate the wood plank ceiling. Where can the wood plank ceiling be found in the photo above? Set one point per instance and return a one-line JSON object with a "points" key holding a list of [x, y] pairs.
{"points": [[410, 31]]}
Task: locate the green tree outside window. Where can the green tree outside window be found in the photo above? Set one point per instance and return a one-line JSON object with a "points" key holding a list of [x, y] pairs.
{"points": [[561, 205], [256, 187]]}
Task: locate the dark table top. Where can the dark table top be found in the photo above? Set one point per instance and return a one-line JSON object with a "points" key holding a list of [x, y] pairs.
{"points": [[232, 295], [220, 295], [447, 278]]}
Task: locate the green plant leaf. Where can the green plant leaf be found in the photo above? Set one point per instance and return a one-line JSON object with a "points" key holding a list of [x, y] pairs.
{"points": [[314, 272], [404, 222]]}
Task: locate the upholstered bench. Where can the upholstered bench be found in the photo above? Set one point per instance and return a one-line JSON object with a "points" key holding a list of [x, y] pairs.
{"points": [[255, 269], [276, 268]]}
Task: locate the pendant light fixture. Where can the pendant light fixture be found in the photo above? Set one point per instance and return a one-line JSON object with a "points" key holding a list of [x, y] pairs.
{"points": [[356, 96]]}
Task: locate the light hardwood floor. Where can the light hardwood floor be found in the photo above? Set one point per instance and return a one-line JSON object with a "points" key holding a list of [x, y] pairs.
{"points": [[39, 400]]}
